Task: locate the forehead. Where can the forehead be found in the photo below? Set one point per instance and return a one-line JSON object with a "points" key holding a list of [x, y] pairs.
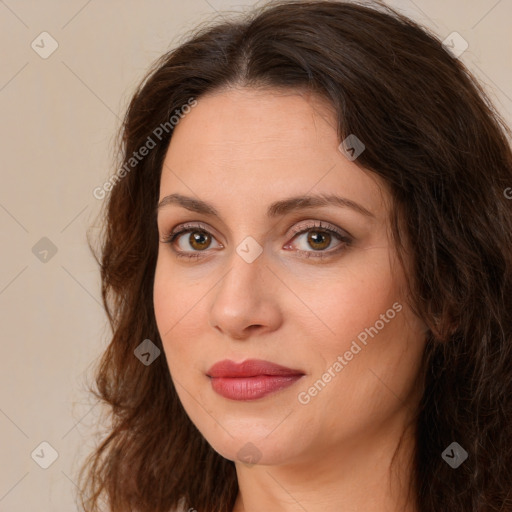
{"points": [[257, 121], [253, 141]]}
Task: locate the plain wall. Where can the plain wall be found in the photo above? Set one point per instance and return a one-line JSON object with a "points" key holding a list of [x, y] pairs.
{"points": [[60, 116]]}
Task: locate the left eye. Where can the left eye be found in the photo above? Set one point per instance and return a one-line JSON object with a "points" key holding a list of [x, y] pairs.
{"points": [[318, 237], [198, 239]]}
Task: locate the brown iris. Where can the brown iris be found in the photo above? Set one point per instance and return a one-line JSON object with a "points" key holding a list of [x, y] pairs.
{"points": [[314, 239], [198, 238]]}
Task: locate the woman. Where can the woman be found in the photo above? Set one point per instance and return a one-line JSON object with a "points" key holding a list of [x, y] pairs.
{"points": [[307, 267]]}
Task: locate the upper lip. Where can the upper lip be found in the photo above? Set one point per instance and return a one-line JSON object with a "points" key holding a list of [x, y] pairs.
{"points": [[249, 368]]}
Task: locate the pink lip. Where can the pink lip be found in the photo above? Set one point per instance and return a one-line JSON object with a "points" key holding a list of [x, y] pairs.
{"points": [[251, 379]]}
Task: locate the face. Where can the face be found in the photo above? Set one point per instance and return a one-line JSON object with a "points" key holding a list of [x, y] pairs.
{"points": [[313, 288]]}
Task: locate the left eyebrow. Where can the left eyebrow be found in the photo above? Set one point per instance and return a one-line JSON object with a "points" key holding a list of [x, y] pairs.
{"points": [[276, 209]]}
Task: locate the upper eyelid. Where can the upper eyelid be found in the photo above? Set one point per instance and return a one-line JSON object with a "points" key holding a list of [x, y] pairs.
{"points": [[190, 226], [304, 227]]}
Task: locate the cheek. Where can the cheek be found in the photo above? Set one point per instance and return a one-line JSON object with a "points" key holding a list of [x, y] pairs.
{"points": [[181, 317], [369, 326], [164, 303], [171, 313], [376, 358], [356, 299], [172, 299]]}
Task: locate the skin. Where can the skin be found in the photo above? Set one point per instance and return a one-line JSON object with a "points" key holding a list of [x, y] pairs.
{"points": [[242, 149]]}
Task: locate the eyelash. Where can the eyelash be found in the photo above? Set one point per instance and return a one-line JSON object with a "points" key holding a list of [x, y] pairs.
{"points": [[188, 228]]}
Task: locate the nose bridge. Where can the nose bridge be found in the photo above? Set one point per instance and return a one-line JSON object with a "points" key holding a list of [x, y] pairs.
{"points": [[243, 297], [243, 279]]}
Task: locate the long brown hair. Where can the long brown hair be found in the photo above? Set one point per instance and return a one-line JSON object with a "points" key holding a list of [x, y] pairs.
{"points": [[433, 135]]}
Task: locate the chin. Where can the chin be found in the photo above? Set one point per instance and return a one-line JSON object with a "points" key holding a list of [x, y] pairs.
{"points": [[243, 441]]}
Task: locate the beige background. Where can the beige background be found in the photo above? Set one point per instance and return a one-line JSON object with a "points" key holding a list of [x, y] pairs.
{"points": [[59, 118]]}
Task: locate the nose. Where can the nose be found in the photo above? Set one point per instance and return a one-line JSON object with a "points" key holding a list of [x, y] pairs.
{"points": [[246, 299]]}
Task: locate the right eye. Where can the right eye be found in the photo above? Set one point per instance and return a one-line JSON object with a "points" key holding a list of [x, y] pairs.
{"points": [[199, 240]]}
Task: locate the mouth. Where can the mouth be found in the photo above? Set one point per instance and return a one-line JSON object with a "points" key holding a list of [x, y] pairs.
{"points": [[251, 379]]}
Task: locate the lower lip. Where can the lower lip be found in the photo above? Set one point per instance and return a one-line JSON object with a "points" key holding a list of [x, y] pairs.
{"points": [[251, 388]]}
